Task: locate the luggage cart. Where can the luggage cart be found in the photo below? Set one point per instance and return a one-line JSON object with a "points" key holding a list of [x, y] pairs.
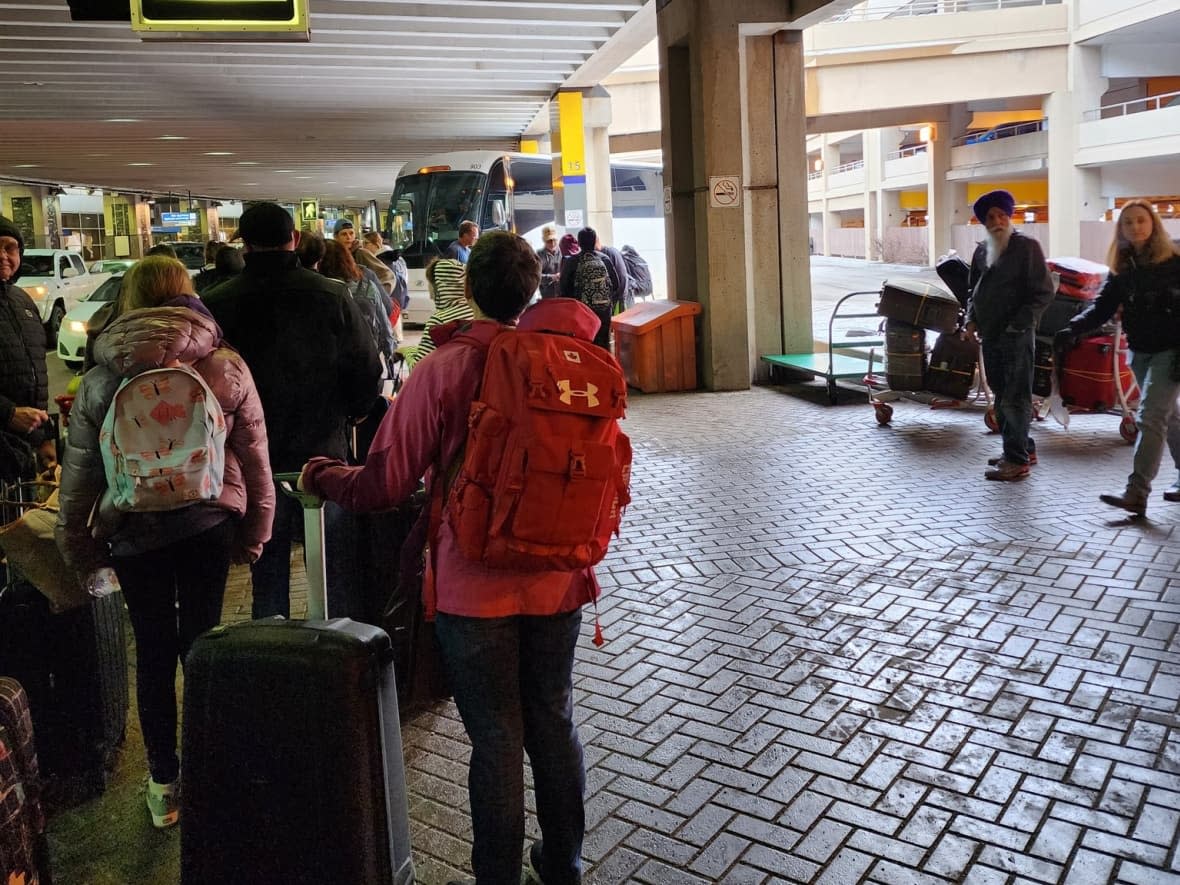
{"points": [[1126, 393], [883, 412], [837, 363]]}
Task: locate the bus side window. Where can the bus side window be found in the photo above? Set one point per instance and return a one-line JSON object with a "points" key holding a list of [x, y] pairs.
{"points": [[496, 215]]}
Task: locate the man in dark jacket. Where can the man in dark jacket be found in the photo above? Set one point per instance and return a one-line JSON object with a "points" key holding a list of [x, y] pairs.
{"points": [[24, 378], [315, 367], [1010, 288], [550, 258]]}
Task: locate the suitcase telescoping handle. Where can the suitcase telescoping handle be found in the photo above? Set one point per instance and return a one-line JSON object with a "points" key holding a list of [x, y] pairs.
{"points": [[313, 545]]}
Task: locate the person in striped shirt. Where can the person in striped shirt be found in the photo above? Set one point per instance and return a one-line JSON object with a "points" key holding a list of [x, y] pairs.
{"points": [[447, 280]]}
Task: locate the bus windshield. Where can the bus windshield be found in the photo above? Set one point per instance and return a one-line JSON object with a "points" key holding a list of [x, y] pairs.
{"points": [[427, 208]]}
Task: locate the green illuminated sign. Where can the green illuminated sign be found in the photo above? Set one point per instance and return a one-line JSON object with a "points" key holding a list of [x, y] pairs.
{"points": [[223, 19]]}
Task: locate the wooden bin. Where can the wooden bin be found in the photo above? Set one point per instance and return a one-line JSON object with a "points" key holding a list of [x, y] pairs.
{"points": [[655, 343]]}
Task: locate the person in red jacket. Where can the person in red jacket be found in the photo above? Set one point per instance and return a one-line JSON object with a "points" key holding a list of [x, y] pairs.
{"points": [[507, 638]]}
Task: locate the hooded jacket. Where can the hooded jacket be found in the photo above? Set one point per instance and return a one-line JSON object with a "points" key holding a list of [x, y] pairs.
{"points": [[450, 304], [24, 379], [423, 434], [1150, 297], [134, 342], [308, 348]]}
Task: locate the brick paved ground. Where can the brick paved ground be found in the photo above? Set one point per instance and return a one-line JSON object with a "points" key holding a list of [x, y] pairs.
{"points": [[837, 655]]}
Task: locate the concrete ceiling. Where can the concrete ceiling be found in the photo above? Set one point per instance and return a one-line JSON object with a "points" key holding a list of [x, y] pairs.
{"points": [[381, 82]]}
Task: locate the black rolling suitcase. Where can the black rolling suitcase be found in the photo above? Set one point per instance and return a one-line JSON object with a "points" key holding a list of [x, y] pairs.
{"points": [[389, 554], [73, 666], [291, 756]]}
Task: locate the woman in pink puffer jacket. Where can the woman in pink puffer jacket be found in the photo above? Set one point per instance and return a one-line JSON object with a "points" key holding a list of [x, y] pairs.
{"points": [[172, 564]]}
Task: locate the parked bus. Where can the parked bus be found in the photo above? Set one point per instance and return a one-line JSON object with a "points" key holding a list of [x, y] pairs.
{"points": [[504, 191]]}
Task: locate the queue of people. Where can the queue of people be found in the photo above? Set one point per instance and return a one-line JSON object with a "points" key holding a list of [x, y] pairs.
{"points": [[290, 347]]}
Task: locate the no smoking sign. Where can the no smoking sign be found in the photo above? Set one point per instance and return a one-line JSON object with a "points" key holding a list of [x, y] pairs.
{"points": [[725, 192]]}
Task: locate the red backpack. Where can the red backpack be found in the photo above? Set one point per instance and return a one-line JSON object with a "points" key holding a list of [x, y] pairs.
{"points": [[546, 469]]}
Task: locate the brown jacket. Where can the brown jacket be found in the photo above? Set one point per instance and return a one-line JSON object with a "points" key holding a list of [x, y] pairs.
{"points": [[147, 339]]}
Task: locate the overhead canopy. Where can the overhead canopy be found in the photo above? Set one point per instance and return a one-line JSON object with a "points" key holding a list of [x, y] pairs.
{"points": [[381, 82]]}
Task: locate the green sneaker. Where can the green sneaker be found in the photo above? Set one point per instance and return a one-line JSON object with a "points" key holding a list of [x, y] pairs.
{"points": [[163, 801]]}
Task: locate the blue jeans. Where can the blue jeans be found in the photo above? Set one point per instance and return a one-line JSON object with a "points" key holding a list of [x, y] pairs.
{"points": [[513, 684], [271, 574], [1157, 419], [1008, 362]]}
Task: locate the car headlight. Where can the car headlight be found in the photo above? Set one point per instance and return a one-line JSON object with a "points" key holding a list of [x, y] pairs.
{"points": [[77, 326]]}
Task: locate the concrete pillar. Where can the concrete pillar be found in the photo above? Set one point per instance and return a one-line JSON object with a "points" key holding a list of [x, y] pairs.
{"points": [[830, 154], [581, 160], [874, 166], [718, 140], [143, 227], [939, 195], [213, 223], [790, 138], [1075, 193]]}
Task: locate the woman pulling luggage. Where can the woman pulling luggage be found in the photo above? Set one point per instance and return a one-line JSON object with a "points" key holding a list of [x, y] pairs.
{"points": [[1145, 282]]}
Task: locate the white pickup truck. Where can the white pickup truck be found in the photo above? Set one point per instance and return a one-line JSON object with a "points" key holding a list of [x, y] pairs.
{"points": [[56, 279]]}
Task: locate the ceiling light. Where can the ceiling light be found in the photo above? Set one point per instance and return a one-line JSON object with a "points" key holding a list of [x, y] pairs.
{"points": [[304, 176], [26, 166], [278, 171], [250, 184], [140, 164], [246, 163], [172, 138], [219, 153], [122, 120]]}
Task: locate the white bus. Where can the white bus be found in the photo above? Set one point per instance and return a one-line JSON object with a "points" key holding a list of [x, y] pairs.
{"points": [[505, 191]]}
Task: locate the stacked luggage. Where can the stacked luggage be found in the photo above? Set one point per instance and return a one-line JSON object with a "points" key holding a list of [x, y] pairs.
{"points": [[910, 308], [71, 660], [1086, 374]]}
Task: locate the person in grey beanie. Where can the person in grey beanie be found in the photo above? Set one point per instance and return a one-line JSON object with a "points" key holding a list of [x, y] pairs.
{"points": [[24, 377]]}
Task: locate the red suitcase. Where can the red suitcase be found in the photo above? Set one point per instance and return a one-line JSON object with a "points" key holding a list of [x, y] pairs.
{"points": [[1087, 374]]}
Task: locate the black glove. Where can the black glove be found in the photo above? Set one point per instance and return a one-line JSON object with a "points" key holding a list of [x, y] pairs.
{"points": [[1065, 340]]}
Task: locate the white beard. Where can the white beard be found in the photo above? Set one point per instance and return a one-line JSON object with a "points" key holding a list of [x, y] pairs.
{"points": [[997, 243]]}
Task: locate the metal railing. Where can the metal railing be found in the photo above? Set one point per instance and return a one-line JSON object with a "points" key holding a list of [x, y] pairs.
{"points": [[910, 8], [813, 176], [1135, 106], [911, 151], [848, 167], [1008, 131]]}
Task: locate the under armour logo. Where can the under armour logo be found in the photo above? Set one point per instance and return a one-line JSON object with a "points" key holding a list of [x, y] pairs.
{"points": [[572, 356], [568, 393]]}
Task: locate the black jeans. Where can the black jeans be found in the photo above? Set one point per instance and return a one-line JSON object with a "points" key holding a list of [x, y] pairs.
{"points": [[513, 684], [1008, 362], [173, 595]]}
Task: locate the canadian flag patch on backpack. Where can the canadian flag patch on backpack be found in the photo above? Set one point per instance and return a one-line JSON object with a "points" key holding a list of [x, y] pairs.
{"points": [[163, 441], [546, 470]]}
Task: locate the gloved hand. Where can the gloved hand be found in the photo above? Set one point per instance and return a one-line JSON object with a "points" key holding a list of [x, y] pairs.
{"points": [[1065, 340]]}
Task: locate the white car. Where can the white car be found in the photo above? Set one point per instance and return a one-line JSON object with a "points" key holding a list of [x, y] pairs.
{"points": [[71, 337]]}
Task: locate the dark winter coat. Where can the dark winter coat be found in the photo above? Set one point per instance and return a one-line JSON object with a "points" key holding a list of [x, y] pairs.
{"points": [[309, 350], [1011, 295], [24, 378], [1150, 298]]}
